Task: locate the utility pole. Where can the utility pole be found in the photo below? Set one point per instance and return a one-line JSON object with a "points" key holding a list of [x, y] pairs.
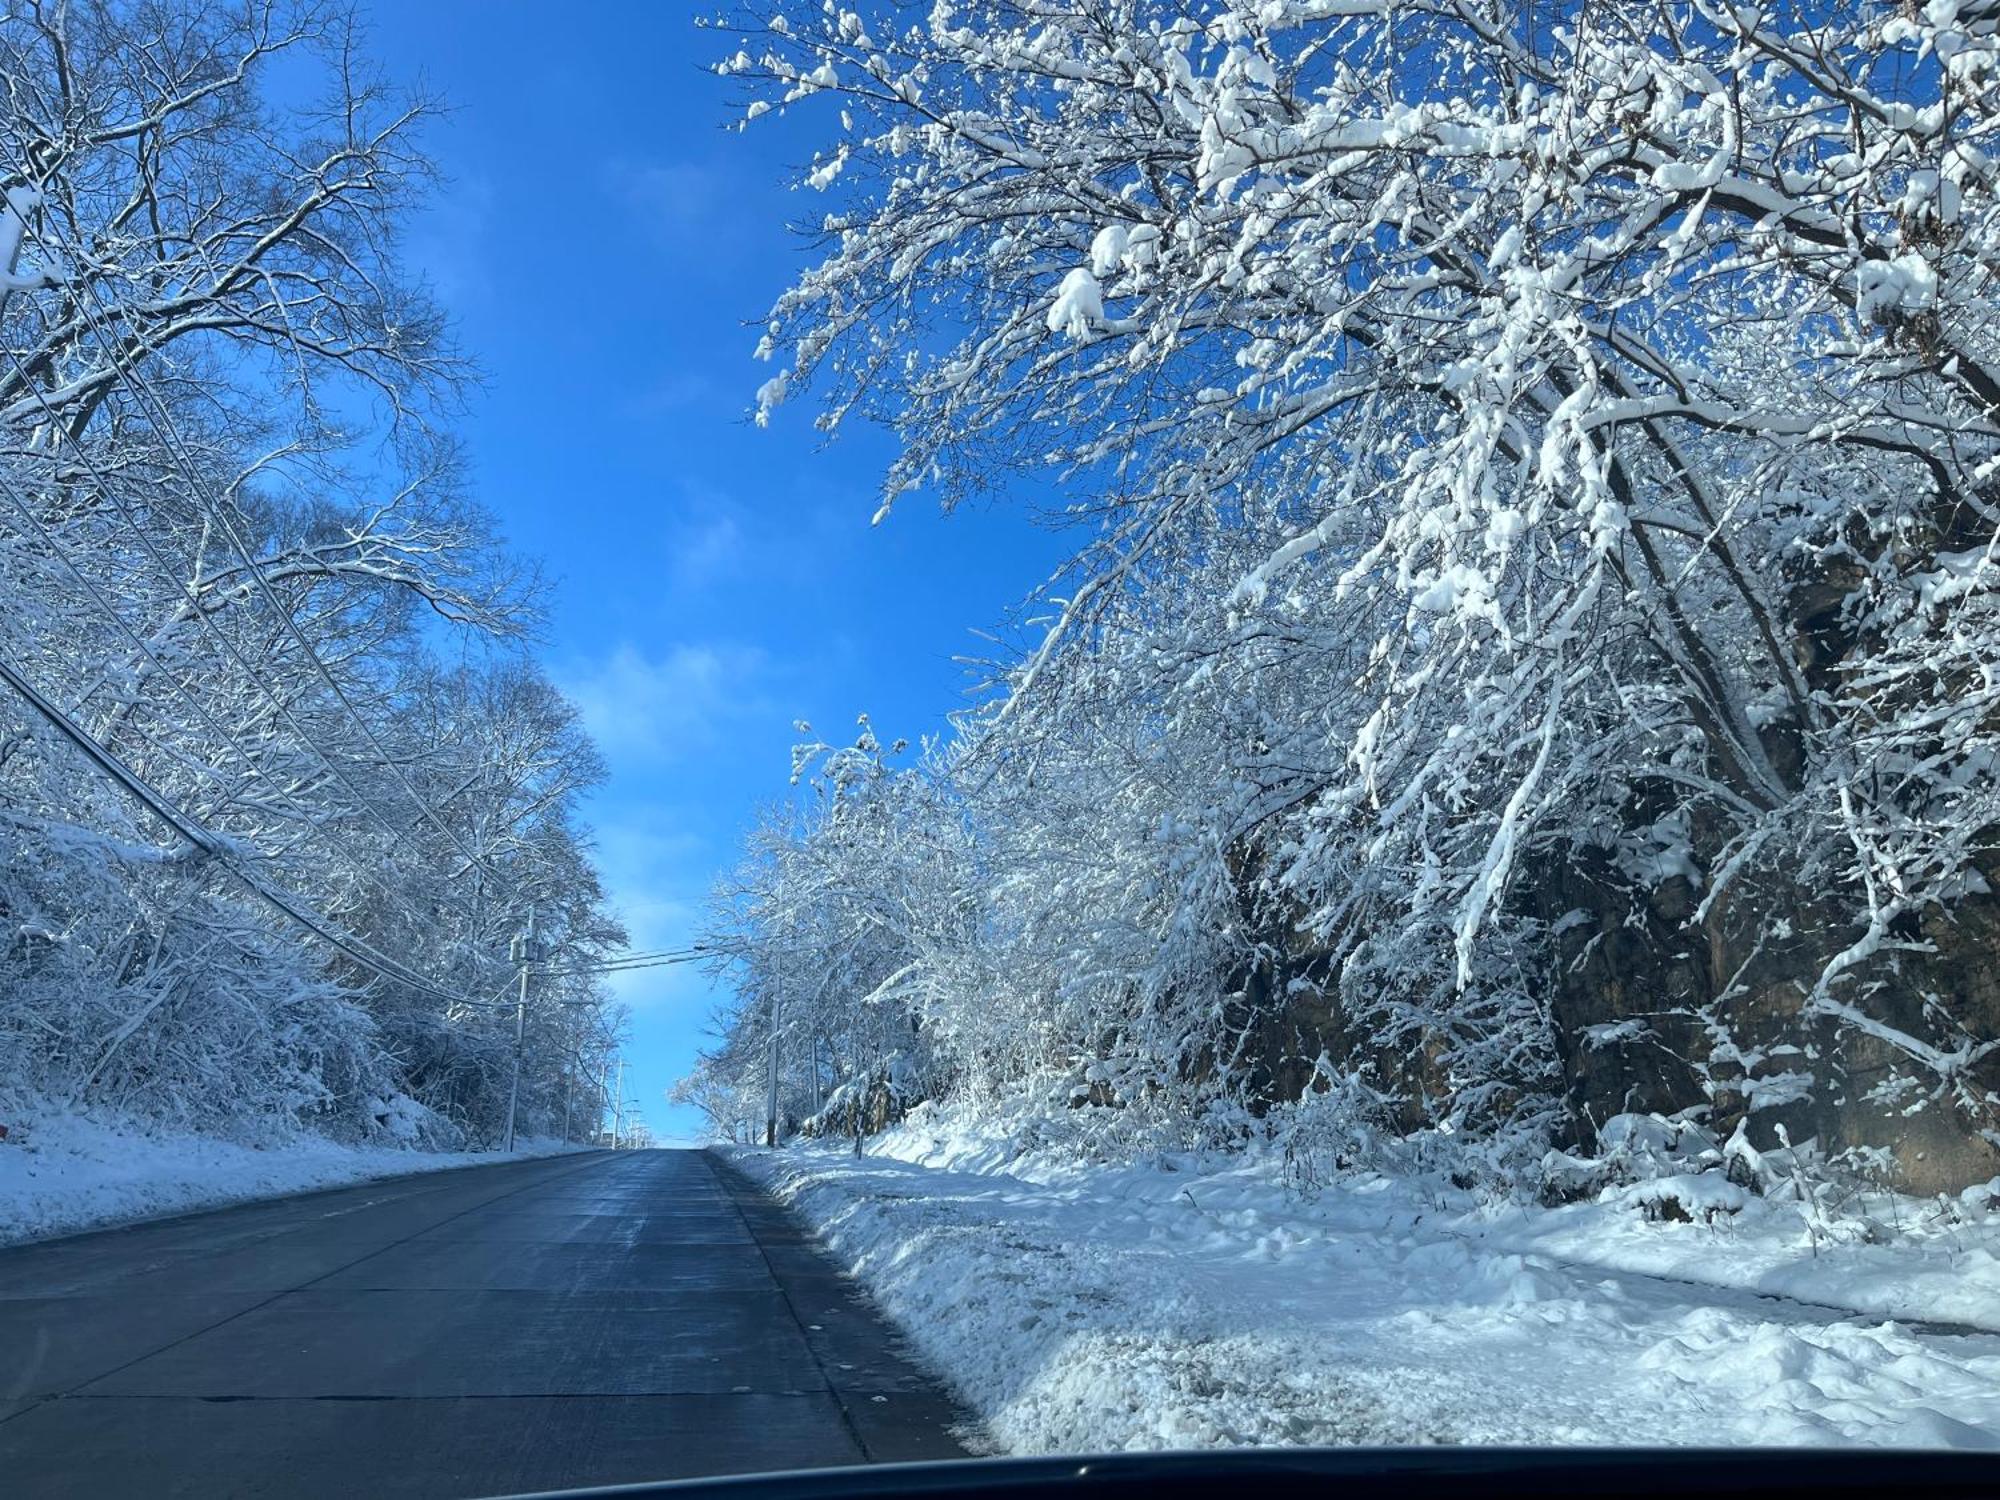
{"points": [[604, 1095], [523, 950], [771, 1063], [618, 1106]]}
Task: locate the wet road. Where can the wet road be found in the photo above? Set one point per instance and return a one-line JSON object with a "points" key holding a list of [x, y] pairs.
{"points": [[575, 1320]]}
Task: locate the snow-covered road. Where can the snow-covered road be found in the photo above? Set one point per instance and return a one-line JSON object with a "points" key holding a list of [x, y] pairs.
{"points": [[1169, 1306]]}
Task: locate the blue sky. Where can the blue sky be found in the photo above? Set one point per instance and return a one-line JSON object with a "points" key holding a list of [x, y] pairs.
{"points": [[601, 242]]}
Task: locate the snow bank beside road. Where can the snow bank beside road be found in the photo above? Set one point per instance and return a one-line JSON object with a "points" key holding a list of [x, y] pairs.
{"points": [[71, 1172], [1171, 1306], [1924, 1262]]}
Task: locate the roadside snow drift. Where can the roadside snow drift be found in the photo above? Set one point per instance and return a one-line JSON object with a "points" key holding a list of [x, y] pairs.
{"points": [[1094, 1309], [71, 1172]]}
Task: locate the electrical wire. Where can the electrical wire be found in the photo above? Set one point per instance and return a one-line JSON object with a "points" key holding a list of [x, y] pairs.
{"points": [[170, 434], [217, 848], [105, 607], [201, 615], [665, 955], [151, 797], [626, 966]]}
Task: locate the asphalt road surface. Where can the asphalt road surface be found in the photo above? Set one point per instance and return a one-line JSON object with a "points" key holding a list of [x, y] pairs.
{"points": [[575, 1320]]}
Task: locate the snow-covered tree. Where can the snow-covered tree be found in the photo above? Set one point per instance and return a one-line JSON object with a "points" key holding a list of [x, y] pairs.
{"points": [[231, 533], [1541, 469]]}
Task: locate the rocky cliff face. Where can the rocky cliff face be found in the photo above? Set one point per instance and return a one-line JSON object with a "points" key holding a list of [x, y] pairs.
{"points": [[1657, 1011], [1652, 1009]]}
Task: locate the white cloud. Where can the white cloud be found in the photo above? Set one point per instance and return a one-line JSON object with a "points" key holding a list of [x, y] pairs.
{"points": [[642, 708], [708, 542], [657, 874], [675, 199], [708, 549], [450, 243], [677, 392]]}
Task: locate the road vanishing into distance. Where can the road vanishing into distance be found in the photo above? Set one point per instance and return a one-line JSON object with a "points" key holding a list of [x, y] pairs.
{"points": [[573, 1320]]}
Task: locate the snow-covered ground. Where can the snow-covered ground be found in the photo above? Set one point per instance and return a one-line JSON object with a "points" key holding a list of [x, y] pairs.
{"points": [[69, 1172], [1189, 1304]]}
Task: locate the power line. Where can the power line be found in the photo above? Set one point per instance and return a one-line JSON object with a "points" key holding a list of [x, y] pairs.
{"points": [[620, 964], [201, 615], [122, 366], [105, 607], [665, 955], [219, 849], [627, 965], [171, 436]]}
